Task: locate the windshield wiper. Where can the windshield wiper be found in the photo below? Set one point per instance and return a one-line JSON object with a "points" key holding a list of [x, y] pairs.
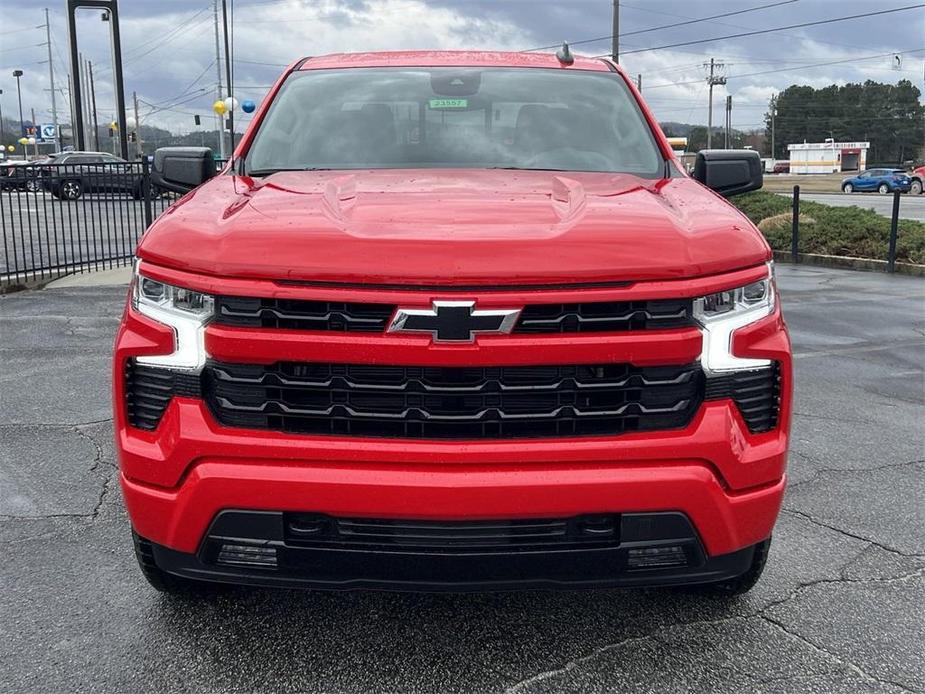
{"points": [[270, 172]]}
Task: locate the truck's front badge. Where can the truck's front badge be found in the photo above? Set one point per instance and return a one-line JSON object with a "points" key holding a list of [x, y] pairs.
{"points": [[454, 321]]}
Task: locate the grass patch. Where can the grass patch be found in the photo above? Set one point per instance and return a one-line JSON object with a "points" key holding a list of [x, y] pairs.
{"points": [[848, 231]]}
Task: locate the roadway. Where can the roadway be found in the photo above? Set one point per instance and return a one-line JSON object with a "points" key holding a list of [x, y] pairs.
{"points": [[839, 608], [910, 206]]}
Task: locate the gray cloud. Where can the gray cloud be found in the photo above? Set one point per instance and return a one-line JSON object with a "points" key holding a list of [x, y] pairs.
{"points": [[169, 46]]}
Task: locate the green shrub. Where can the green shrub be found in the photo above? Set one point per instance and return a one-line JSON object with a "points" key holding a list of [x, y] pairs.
{"points": [[849, 231]]}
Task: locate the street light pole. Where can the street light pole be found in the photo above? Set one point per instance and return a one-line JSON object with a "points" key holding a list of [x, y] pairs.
{"points": [[17, 74], [2, 136]]}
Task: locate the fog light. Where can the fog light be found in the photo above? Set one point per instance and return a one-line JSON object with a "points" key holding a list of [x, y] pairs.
{"points": [[247, 555], [656, 557]]}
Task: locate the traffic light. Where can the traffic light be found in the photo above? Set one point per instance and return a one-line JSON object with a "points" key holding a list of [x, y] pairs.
{"points": [[196, 119]]}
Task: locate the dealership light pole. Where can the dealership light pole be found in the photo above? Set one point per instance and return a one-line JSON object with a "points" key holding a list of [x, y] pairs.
{"points": [[17, 74], [2, 136]]}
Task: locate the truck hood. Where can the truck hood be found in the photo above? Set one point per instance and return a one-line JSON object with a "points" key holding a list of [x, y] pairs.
{"points": [[460, 227]]}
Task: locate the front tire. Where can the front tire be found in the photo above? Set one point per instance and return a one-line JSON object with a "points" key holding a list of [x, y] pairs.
{"points": [[847, 188], [162, 581], [70, 189], [745, 582], [883, 189]]}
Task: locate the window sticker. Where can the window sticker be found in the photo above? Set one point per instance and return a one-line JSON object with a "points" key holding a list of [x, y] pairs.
{"points": [[449, 103]]}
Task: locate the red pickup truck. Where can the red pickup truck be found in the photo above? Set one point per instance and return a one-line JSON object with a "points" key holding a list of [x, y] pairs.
{"points": [[453, 321]]}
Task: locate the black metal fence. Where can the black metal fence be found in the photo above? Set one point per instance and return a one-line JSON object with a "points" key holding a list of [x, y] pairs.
{"points": [[795, 255], [64, 218]]}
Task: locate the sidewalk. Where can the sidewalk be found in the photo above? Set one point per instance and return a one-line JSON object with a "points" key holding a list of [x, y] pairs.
{"points": [[102, 278]]}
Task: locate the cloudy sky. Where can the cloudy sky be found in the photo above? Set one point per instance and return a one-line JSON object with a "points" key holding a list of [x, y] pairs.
{"points": [[169, 46]]}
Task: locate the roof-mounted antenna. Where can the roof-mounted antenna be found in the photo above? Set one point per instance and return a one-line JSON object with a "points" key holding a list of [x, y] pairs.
{"points": [[564, 54]]}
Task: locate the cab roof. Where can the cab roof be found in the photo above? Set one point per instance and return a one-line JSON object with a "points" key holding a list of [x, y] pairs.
{"points": [[451, 59]]}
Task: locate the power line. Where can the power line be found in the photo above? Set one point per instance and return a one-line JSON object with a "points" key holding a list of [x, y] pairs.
{"points": [[665, 26], [757, 32], [787, 69]]}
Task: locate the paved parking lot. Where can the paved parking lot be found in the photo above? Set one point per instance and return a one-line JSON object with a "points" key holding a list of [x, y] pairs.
{"points": [[840, 608]]}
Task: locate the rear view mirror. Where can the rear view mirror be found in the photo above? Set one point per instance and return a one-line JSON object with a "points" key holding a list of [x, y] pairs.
{"points": [[180, 169], [729, 171]]}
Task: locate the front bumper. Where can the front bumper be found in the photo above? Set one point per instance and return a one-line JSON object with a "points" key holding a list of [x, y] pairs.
{"points": [[254, 548], [727, 481]]}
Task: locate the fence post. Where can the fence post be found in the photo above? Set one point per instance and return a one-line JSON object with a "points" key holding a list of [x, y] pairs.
{"points": [[795, 227], [894, 231], [146, 188]]}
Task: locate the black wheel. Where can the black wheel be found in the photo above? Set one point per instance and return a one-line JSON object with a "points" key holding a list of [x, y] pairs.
{"points": [[161, 580], [883, 189], [745, 582], [847, 188], [70, 189], [916, 188], [33, 185]]}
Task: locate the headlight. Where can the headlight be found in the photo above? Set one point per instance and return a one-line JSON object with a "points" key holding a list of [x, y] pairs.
{"points": [[184, 310], [723, 313]]}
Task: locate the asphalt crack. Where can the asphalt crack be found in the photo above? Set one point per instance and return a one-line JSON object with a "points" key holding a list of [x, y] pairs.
{"points": [[854, 667], [845, 471], [577, 663], [846, 533]]}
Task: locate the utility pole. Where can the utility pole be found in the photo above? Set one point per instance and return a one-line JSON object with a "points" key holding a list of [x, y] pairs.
{"points": [[220, 119], [51, 80], [615, 46], [712, 80], [96, 130], [773, 114], [137, 127], [85, 101], [230, 111], [728, 138]]}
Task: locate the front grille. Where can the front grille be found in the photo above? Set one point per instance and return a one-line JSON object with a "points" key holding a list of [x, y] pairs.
{"points": [[580, 532], [148, 390], [302, 315], [755, 392], [453, 403], [611, 316]]}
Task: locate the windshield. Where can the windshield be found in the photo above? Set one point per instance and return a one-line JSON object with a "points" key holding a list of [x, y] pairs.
{"points": [[384, 118]]}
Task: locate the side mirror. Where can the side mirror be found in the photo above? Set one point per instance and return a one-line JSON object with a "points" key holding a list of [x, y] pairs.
{"points": [[180, 169], [729, 171]]}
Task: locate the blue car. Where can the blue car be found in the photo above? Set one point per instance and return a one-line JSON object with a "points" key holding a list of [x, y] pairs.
{"points": [[883, 181]]}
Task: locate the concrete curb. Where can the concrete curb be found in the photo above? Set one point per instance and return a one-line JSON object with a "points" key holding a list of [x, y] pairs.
{"points": [[848, 263]]}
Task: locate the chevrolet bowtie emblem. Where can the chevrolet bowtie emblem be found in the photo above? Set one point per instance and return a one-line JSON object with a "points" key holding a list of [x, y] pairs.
{"points": [[453, 321]]}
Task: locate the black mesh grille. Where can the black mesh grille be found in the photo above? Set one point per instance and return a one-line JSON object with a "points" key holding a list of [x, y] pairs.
{"points": [[756, 393], [604, 316], [148, 390], [302, 315], [315, 530], [448, 403], [612, 316]]}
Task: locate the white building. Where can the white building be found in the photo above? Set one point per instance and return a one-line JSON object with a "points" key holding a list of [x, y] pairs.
{"points": [[828, 157]]}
